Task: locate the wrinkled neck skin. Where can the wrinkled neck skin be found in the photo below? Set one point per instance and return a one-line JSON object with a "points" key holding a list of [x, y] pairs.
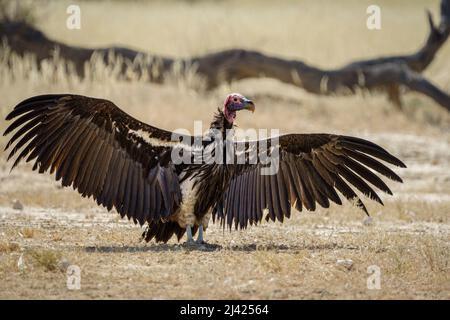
{"points": [[220, 122]]}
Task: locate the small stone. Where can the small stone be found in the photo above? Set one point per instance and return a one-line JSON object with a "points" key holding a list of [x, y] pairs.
{"points": [[368, 221], [20, 263], [411, 213], [347, 263], [228, 280], [63, 264], [17, 205]]}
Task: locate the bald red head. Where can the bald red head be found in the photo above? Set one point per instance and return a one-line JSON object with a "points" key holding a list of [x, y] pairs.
{"points": [[235, 102]]}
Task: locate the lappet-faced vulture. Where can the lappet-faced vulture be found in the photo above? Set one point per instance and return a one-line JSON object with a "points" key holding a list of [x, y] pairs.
{"points": [[163, 179]]}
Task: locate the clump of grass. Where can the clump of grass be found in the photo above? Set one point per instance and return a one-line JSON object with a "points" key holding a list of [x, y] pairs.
{"points": [[57, 237], [21, 11], [28, 233], [8, 247], [185, 77], [48, 259]]}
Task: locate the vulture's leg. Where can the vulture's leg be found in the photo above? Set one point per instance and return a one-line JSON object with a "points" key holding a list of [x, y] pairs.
{"points": [[200, 235], [190, 240]]}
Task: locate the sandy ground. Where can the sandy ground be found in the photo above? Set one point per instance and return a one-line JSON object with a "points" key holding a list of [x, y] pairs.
{"points": [[322, 255], [408, 240]]}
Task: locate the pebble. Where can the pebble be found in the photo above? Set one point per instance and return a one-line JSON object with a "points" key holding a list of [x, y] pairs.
{"points": [[368, 221], [17, 205], [347, 263], [63, 264], [20, 263]]}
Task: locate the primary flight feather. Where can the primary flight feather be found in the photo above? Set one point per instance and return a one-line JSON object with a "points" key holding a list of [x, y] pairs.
{"points": [[101, 151]]}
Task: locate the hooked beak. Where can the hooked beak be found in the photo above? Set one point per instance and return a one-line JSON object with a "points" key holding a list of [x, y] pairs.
{"points": [[249, 105]]}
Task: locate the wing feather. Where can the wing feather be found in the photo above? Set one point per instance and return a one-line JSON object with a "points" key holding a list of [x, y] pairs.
{"points": [[99, 150], [312, 168]]}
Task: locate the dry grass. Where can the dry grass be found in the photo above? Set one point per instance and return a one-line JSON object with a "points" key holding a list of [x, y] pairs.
{"points": [[409, 236], [297, 260], [8, 247], [46, 259], [28, 233], [17, 11]]}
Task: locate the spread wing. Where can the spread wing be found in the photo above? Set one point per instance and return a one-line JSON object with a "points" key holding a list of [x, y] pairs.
{"points": [[312, 169], [100, 150]]}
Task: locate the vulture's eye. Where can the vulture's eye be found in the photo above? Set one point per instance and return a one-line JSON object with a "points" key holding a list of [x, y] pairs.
{"points": [[235, 99]]}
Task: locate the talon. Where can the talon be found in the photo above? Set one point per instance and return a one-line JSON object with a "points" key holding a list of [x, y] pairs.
{"points": [[200, 236], [190, 240]]}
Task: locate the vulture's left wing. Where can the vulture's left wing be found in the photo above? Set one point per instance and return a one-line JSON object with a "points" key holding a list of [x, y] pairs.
{"points": [[101, 151], [311, 169]]}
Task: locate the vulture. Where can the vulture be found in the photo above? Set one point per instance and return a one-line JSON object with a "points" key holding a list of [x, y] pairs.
{"points": [[160, 179]]}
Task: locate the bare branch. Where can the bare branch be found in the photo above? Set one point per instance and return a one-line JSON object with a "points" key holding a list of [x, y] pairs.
{"points": [[388, 74]]}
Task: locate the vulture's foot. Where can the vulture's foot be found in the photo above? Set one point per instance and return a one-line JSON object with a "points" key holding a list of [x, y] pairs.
{"points": [[190, 240], [190, 243], [200, 236]]}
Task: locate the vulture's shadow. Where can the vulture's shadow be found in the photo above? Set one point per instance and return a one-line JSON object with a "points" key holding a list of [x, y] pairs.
{"points": [[208, 247], [154, 248]]}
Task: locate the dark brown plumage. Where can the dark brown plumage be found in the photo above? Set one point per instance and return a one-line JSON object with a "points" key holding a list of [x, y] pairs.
{"points": [[312, 168], [121, 162]]}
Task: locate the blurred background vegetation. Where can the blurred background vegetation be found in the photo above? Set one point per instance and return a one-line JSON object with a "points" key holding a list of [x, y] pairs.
{"points": [[409, 239]]}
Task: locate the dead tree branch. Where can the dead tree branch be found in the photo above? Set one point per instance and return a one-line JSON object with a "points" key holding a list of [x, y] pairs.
{"points": [[388, 74]]}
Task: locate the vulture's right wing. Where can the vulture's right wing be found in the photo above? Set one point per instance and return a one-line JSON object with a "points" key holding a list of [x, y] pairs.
{"points": [[311, 169], [99, 150]]}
